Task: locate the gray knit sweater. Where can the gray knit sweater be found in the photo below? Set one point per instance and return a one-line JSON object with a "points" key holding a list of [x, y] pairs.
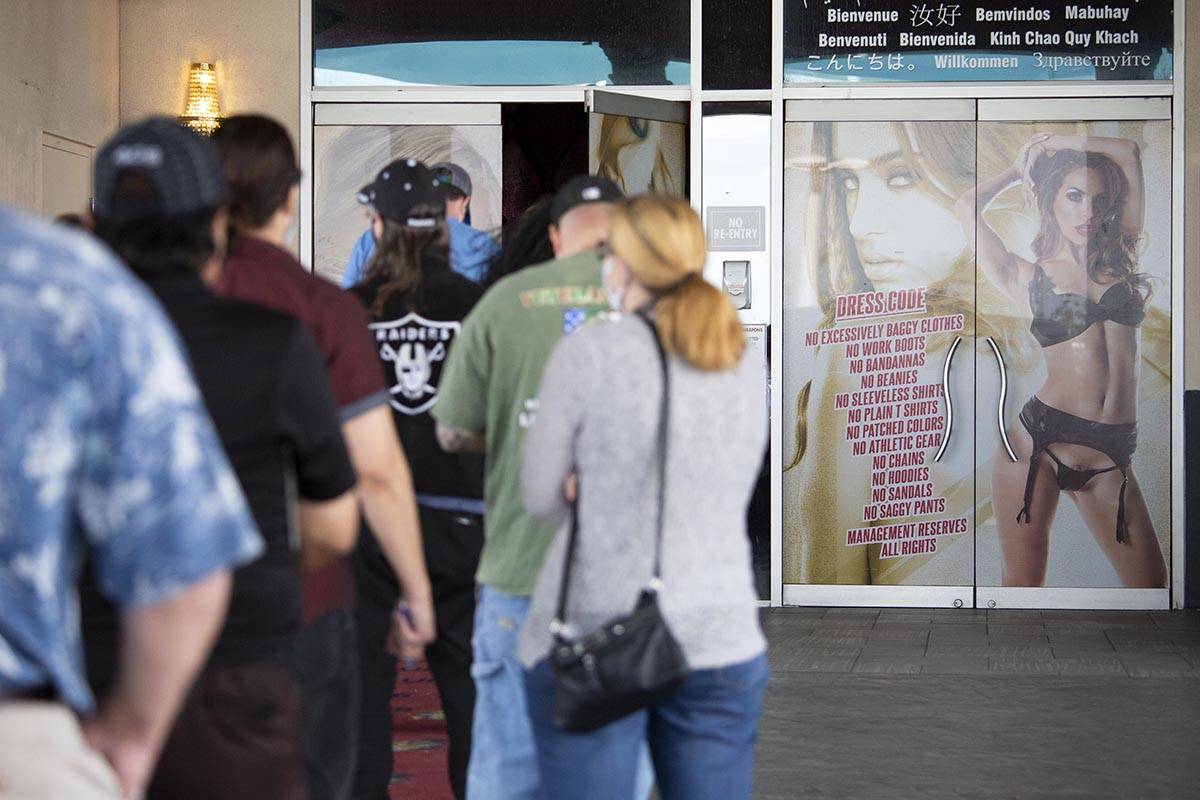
{"points": [[598, 415]]}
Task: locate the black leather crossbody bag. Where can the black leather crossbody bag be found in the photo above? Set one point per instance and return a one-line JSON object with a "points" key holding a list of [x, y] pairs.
{"points": [[632, 660]]}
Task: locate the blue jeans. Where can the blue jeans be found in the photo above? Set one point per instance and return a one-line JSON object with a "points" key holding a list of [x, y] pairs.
{"points": [[503, 762], [701, 739]]}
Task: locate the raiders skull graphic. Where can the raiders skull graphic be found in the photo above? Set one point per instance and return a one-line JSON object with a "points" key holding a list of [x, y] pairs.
{"points": [[415, 349]]}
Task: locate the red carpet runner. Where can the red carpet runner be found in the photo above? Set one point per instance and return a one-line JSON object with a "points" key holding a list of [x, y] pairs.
{"points": [[419, 739]]}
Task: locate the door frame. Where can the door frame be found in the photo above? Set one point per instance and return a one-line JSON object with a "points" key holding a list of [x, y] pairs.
{"points": [[777, 94], [625, 104], [406, 114], [439, 102], [606, 103]]}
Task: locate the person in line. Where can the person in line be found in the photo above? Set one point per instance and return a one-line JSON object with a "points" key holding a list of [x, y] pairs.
{"points": [[472, 251], [526, 241], [260, 165], [162, 209], [486, 402], [105, 447], [416, 306], [595, 443]]}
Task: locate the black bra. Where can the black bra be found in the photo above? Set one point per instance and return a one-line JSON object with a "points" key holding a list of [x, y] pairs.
{"points": [[1059, 317]]}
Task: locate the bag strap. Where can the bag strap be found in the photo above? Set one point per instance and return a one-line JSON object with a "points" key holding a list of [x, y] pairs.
{"points": [[664, 405], [664, 418]]}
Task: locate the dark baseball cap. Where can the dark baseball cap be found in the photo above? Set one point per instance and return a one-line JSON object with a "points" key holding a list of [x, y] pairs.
{"points": [[581, 190], [400, 187], [180, 166], [452, 175]]}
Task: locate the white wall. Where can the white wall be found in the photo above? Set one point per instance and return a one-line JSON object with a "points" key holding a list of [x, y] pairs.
{"points": [[58, 75], [737, 173], [1191, 264], [255, 44]]}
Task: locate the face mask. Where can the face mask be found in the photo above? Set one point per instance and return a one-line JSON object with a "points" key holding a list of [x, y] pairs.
{"points": [[615, 294]]}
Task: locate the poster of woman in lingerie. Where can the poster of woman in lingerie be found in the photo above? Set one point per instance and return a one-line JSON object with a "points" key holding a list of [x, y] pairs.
{"points": [[1090, 437]]}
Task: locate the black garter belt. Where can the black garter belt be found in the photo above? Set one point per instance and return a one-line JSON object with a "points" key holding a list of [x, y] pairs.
{"points": [[1048, 426]]}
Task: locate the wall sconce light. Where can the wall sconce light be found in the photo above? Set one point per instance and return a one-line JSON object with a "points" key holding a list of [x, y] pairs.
{"points": [[202, 113]]}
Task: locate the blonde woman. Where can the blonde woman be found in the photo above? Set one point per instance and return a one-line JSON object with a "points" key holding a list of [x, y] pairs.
{"points": [[597, 419]]}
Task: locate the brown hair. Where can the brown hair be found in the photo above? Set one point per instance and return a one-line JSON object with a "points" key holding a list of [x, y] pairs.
{"points": [[661, 240], [398, 253], [1111, 250], [260, 167]]}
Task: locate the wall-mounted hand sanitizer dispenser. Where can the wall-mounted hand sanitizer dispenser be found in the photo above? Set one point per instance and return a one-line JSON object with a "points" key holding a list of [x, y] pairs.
{"points": [[735, 278]]}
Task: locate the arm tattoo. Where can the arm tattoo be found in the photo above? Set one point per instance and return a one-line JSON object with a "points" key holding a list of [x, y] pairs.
{"points": [[456, 440]]}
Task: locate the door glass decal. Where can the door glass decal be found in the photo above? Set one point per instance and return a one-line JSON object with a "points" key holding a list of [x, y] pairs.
{"points": [[1075, 230], [879, 282]]}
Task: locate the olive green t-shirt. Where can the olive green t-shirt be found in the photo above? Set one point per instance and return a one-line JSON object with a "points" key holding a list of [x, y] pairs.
{"points": [[490, 385]]}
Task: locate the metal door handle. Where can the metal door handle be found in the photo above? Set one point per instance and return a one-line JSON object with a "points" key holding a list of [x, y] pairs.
{"points": [[1003, 396], [949, 401]]}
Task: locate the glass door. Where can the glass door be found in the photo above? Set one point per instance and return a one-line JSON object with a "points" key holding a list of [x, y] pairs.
{"points": [[639, 142], [352, 142], [878, 336], [1073, 205]]}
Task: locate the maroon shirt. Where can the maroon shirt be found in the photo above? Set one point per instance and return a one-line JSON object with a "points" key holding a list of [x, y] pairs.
{"points": [[262, 273]]}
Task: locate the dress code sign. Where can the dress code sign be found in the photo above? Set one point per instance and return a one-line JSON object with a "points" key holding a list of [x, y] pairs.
{"points": [[977, 40], [894, 418]]}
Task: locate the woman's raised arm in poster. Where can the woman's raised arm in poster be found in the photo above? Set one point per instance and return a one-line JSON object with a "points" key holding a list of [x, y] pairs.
{"points": [[1004, 268]]}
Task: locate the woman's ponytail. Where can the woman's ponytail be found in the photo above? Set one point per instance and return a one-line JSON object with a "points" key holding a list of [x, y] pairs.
{"points": [[661, 240], [700, 325]]}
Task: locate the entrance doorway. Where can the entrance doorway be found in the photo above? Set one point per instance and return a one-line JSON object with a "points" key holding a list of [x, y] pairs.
{"points": [[970, 286], [515, 153]]}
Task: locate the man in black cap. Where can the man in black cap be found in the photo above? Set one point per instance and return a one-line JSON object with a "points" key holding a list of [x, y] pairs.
{"points": [[579, 214], [488, 398], [160, 205]]}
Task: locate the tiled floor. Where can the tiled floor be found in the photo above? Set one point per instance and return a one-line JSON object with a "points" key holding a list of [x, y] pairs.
{"points": [[902, 641], [1007, 704]]}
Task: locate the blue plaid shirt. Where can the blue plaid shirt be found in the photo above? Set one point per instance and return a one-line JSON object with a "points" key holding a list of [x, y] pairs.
{"points": [[104, 445]]}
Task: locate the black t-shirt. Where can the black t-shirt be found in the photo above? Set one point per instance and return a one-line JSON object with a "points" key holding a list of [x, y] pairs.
{"points": [[413, 335], [265, 387]]}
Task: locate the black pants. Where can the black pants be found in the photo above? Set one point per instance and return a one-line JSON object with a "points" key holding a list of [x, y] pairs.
{"points": [[327, 664], [452, 541], [237, 735]]}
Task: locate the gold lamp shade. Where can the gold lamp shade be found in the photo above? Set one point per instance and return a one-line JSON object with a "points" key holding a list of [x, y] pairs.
{"points": [[202, 113]]}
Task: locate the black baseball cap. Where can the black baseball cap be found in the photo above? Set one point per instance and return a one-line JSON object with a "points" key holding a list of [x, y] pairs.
{"points": [[180, 166], [580, 190], [401, 186]]}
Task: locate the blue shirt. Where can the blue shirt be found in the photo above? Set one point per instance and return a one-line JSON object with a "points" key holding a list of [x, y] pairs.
{"points": [[104, 445], [471, 253]]}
